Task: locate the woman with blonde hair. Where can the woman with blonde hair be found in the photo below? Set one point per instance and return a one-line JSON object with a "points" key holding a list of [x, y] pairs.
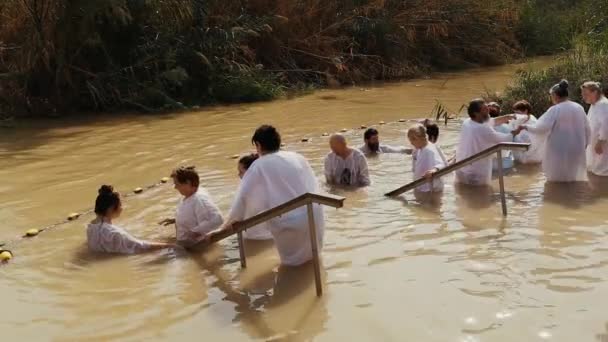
{"points": [[426, 158], [597, 151]]}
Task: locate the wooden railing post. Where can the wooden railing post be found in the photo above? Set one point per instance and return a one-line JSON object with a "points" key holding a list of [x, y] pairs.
{"points": [[501, 183], [315, 250], [242, 255]]}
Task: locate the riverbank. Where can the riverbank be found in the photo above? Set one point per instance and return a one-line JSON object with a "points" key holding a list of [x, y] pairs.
{"points": [[116, 56]]}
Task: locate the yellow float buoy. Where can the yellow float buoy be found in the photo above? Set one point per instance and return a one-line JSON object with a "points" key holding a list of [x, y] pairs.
{"points": [[32, 232], [138, 190], [325, 134], [73, 216], [235, 156], [6, 256], [381, 122], [164, 179], [401, 120], [343, 130], [363, 127], [305, 139]]}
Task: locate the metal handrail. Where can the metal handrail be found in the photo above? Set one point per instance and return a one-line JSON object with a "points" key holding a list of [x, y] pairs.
{"points": [[307, 199], [498, 148]]}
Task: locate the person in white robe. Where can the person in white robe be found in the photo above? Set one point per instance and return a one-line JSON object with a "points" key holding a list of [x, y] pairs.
{"points": [[275, 178], [535, 153], [427, 159], [344, 165], [105, 237], [477, 135], [371, 144], [507, 159], [196, 213], [261, 231], [597, 151], [568, 133]]}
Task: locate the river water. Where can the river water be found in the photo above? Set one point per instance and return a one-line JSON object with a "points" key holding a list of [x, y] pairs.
{"points": [[393, 270]]}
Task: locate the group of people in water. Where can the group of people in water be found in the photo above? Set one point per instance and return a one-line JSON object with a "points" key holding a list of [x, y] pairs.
{"points": [[566, 140]]}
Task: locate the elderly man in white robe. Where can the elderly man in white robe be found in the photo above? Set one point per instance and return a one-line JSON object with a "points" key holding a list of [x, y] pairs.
{"points": [[344, 165], [275, 178], [477, 135], [567, 129], [597, 151]]}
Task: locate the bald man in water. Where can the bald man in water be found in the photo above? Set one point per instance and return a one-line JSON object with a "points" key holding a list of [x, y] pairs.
{"points": [[344, 165]]}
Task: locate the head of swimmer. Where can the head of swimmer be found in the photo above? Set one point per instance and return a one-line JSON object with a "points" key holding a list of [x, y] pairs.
{"points": [[371, 139], [266, 140], [339, 145], [185, 180], [245, 162], [479, 111], [417, 136], [108, 204]]}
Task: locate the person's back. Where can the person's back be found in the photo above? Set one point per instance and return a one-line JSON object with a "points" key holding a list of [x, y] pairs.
{"points": [[274, 179], [107, 238]]}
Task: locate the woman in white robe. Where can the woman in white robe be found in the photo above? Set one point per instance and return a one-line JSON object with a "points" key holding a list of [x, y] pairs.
{"points": [[568, 134], [597, 151], [275, 178], [103, 236]]}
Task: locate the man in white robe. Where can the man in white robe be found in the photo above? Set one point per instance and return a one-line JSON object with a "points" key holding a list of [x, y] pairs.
{"points": [[344, 165], [477, 135], [275, 178], [371, 144], [597, 151]]}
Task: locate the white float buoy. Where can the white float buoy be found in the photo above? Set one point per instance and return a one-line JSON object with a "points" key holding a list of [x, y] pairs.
{"points": [[381, 122], [325, 134], [138, 190], [31, 232], [401, 120], [164, 179], [343, 130], [73, 216]]}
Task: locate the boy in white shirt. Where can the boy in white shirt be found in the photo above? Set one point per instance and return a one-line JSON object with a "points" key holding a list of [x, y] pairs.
{"points": [[196, 214]]}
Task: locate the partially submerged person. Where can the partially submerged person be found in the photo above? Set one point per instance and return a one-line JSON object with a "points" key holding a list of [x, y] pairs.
{"points": [[432, 132], [568, 133], [507, 159], [427, 160], [259, 232], [597, 151], [477, 135], [371, 144], [523, 115], [344, 165], [103, 236], [275, 178], [196, 214]]}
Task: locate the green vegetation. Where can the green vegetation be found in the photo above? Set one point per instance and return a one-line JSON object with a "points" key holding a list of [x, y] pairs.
{"points": [[62, 56], [588, 61]]}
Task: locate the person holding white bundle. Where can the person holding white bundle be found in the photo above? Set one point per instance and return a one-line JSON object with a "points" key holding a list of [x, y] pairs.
{"points": [[477, 135], [535, 152], [426, 159], [196, 214], [597, 151], [273, 179], [568, 133]]}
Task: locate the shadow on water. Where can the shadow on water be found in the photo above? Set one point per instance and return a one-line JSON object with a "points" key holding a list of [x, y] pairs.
{"points": [[270, 303], [572, 195], [475, 197]]}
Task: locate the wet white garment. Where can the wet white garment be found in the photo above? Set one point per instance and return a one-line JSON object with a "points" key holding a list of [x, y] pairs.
{"points": [[598, 119], [350, 171], [194, 215], [568, 133], [425, 159], [108, 238], [507, 159], [385, 149], [536, 151], [474, 138], [272, 180]]}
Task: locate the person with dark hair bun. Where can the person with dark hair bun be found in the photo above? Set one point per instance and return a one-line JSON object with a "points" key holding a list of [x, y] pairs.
{"points": [[259, 232], [568, 133], [371, 144], [103, 236], [196, 214]]}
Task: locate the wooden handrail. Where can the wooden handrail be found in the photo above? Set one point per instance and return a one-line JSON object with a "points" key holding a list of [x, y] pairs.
{"points": [[458, 165], [307, 199], [302, 200]]}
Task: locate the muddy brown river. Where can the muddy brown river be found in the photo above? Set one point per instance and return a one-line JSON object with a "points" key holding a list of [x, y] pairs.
{"points": [[393, 270]]}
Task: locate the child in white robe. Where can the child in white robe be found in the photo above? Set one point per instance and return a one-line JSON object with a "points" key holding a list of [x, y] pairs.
{"points": [[196, 214], [597, 150], [426, 159], [103, 236], [535, 152], [261, 231]]}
